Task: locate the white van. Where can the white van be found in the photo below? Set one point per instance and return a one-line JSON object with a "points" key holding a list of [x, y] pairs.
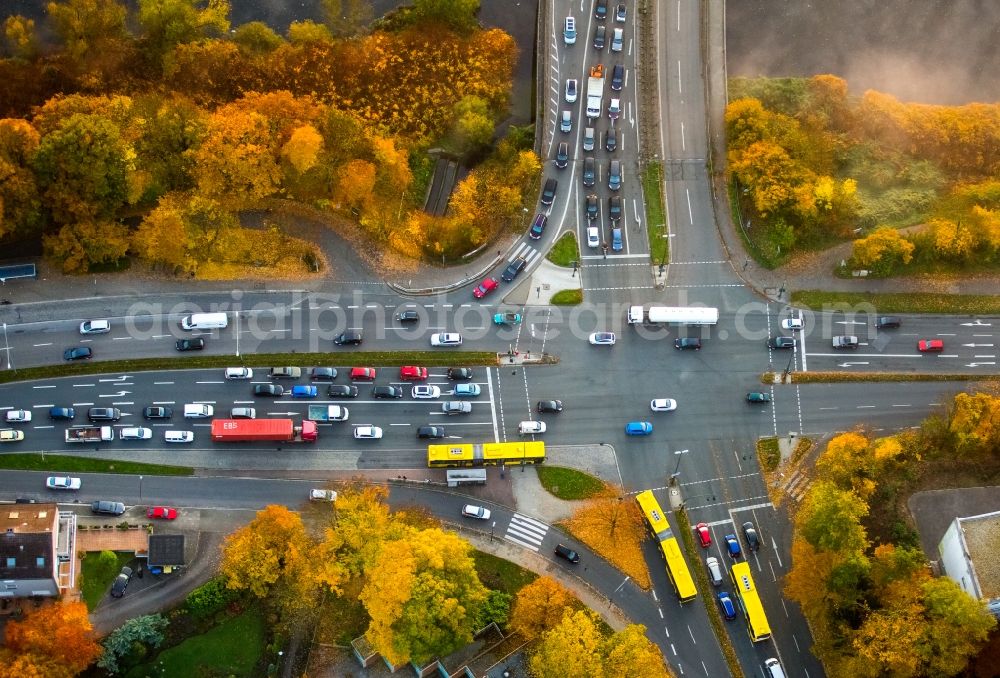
{"points": [[178, 436], [205, 321], [530, 427], [198, 411], [714, 571], [773, 667]]}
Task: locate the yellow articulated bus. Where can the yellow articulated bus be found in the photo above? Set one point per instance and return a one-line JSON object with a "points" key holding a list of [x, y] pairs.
{"points": [[485, 454], [677, 569], [753, 610]]}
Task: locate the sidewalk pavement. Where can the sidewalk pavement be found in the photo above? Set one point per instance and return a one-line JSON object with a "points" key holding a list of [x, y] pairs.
{"points": [[544, 282]]}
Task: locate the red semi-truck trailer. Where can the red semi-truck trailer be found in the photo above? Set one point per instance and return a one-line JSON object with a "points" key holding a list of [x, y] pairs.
{"points": [[262, 430]]}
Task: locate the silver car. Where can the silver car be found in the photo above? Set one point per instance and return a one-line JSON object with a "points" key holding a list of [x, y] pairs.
{"points": [[456, 407]]}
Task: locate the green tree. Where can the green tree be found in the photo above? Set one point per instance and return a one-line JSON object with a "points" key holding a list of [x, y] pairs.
{"points": [[423, 596], [257, 38], [144, 632], [958, 626], [82, 169], [571, 649], [830, 519], [84, 26], [308, 32], [166, 23], [473, 123], [345, 18], [496, 610], [21, 37]]}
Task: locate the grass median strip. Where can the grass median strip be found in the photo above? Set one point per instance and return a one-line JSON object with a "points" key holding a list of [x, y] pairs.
{"points": [[847, 377], [973, 304], [70, 464], [565, 251], [656, 228], [378, 358]]}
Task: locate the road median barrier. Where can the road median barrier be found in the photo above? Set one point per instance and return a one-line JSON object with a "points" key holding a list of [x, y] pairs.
{"points": [[848, 377]]}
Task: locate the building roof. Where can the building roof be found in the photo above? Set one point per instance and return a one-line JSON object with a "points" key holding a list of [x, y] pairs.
{"points": [[982, 539], [26, 540], [166, 550]]}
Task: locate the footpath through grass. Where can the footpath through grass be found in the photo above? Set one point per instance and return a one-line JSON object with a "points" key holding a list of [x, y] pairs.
{"points": [[909, 302], [569, 484], [33, 461], [565, 251], [388, 358]]}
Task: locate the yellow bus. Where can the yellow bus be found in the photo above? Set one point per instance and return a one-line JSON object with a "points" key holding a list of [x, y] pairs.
{"points": [[753, 610], [677, 569], [485, 454]]}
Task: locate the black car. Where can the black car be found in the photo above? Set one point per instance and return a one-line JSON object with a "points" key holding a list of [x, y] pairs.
{"points": [[323, 373], [342, 391], [589, 172], [195, 344], [121, 581], [430, 432], [549, 406], [687, 344], [108, 508], [352, 337], [270, 390], [601, 10], [549, 191], [591, 207], [459, 373], [567, 553], [617, 77], [387, 392], [513, 268], [611, 140], [157, 412], [78, 353], [61, 413], [887, 322], [562, 155], [750, 534], [409, 316], [781, 342], [615, 208]]}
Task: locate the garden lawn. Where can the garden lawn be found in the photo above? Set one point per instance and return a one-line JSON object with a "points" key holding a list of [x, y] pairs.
{"points": [[97, 580], [565, 251], [567, 483], [233, 648]]}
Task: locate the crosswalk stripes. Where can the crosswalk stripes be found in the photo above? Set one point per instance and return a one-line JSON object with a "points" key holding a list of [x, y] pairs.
{"points": [[525, 250], [526, 532], [797, 485]]}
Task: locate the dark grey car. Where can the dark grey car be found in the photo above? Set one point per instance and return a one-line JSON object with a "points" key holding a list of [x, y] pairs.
{"points": [[104, 414], [611, 140], [549, 191], [323, 373], [589, 171], [350, 337], [615, 208], [108, 508], [617, 77], [342, 391], [387, 392], [121, 582], [562, 155], [430, 432]]}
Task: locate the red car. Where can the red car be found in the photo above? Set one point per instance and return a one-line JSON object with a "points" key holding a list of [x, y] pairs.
{"points": [[930, 345], [485, 287], [164, 512], [704, 536], [412, 373], [362, 374]]}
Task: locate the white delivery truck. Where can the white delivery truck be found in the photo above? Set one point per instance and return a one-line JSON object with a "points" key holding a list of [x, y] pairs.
{"points": [[595, 91], [205, 321], [674, 315]]}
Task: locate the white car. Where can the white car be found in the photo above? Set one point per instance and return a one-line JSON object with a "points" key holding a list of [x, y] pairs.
{"points": [[62, 483], [446, 339], [322, 495], [571, 91], [473, 511], [9, 435], [367, 432], [135, 433], [531, 427], [793, 324], [178, 436], [425, 392], [593, 236], [663, 405], [603, 339], [617, 40], [239, 373], [95, 327], [615, 109], [17, 416]]}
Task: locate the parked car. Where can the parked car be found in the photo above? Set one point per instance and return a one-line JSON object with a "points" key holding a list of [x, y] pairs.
{"points": [[456, 407], [704, 535], [121, 582], [930, 345], [63, 483], [95, 327], [161, 513], [63, 413], [196, 344], [78, 353], [552, 406], [467, 391], [446, 339], [515, 266], [473, 511], [342, 391], [108, 508], [425, 392], [485, 287], [750, 534], [663, 405], [687, 344], [304, 391], [460, 373], [348, 338], [268, 390], [758, 397], [537, 226], [567, 553], [430, 432], [781, 342], [603, 339], [367, 432], [362, 374], [323, 373], [383, 392], [412, 373], [638, 428], [157, 412]]}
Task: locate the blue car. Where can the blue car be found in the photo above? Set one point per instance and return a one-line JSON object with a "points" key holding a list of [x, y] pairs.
{"points": [[61, 413], [467, 390], [616, 239], [303, 391], [638, 428], [733, 546], [507, 318], [726, 603]]}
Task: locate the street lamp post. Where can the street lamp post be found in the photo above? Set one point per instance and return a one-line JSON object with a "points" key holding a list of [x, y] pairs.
{"points": [[677, 466], [6, 344], [140, 489], [492, 527]]}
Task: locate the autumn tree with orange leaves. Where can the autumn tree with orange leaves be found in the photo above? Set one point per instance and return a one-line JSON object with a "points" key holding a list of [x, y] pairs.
{"points": [[614, 527], [54, 641], [539, 606]]}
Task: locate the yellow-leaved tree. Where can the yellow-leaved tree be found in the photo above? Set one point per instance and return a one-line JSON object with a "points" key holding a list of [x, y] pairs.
{"points": [[303, 148], [573, 648], [539, 606]]}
